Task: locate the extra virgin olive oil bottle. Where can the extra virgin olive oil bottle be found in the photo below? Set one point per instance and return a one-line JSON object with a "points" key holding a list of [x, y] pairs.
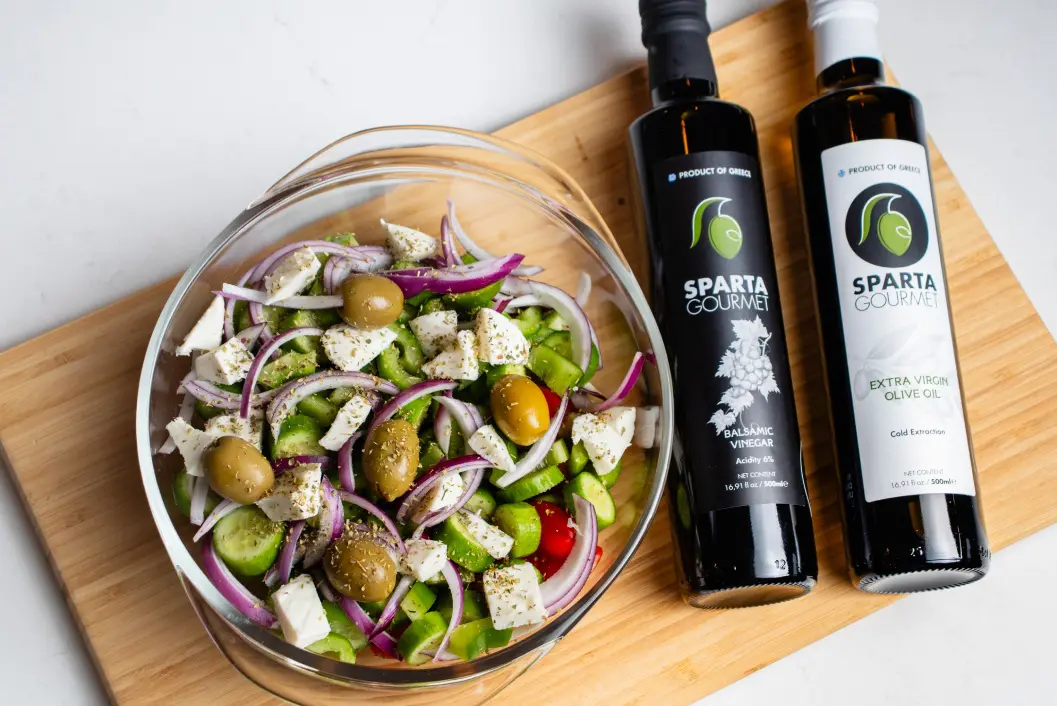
{"points": [[911, 517], [739, 508]]}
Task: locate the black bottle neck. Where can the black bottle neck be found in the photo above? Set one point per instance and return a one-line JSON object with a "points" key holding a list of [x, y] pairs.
{"points": [[683, 89], [675, 34], [849, 73]]}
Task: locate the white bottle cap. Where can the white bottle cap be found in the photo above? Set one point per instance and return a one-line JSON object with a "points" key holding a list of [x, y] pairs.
{"points": [[844, 29]]}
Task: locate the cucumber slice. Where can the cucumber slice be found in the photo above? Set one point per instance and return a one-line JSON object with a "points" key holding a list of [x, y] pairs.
{"points": [[319, 408], [342, 625], [424, 633], [558, 454], [241, 318], [301, 318], [207, 412], [341, 395], [407, 313], [390, 368], [429, 456], [578, 459], [298, 436], [463, 549], [532, 485], [468, 641], [288, 366], [522, 522], [411, 356], [562, 342], [482, 502], [498, 371], [589, 487], [182, 487], [529, 320], [556, 371], [473, 606], [592, 366], [418, 601], [342, 239], [247, 540], [414, 412], [337, 647], [478, 298], [552, 498], [432, 306], [420, 299], [610, 479]]}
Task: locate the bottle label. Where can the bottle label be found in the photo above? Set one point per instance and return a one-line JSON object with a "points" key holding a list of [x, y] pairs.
{"points": [[737, 438], [906, 396]]}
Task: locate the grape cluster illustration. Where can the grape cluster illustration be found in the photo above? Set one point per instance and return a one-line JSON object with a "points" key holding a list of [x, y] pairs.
{"points": [[746, 365]]}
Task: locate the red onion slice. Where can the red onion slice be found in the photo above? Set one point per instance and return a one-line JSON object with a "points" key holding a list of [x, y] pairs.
{"points": [[262, 357], [570, 311], [583, 402], [290, 394], [335, 272], [288, 462], [198, 500], [249, 335], [383, 641], [420, 389], [465, 415], [187, 408], [222, 399], [447, 243], [330, 525], [454, 280], [451, 575], [229, 587], [476, 250], [516, 287], [501, 302], [385, 619], [345, 475], [268, 264], [286, 554], [229, 308], [442, 429], [562, 588], [536, 454], [353, 498], [433, 476], [224, 507], [523, 301], [301, 301], [434, 519], [583, 289]]}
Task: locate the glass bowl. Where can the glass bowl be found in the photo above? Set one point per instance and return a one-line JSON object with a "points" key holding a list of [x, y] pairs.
{"points": [[509, 199]]}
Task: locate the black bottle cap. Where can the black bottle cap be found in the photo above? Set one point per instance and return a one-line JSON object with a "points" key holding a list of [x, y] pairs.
{"points": [[675, 33]]}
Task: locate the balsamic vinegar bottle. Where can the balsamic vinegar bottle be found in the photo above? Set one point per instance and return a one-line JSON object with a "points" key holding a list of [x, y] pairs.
{"points": [[739, 507], [911, 518]]}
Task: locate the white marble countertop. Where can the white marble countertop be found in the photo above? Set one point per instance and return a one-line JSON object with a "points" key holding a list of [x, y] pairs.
{"points": [[131, 132]]}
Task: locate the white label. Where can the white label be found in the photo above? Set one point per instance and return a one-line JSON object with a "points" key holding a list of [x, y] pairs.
{"points": [[906, 395]]}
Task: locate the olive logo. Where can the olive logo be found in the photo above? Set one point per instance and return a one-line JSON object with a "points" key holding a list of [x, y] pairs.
{"points": [[886, 226], [893, 228], [724, 233]]}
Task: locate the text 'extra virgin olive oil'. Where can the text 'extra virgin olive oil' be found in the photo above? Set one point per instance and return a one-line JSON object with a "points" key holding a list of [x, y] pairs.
{"points": [[904, 454], [739, 507]]}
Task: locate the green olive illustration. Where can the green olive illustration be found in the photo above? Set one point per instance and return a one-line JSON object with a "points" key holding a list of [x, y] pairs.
{"points": [[725, 235], [894, 230]]}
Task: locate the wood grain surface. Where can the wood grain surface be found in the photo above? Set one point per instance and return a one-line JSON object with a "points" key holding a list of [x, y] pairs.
{"points": [[66, 429]]}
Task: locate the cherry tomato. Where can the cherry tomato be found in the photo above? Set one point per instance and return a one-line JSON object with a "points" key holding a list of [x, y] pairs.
{"points": [[548, 566], [553, 401], [598, 555], [556, 536]]}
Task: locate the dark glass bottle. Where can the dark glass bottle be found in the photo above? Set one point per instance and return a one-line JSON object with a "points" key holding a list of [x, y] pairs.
{"points": [[739, 509], [896, 407]]}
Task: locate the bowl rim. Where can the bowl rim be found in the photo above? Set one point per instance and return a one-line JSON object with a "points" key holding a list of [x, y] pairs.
{"points": [[445, 673]]}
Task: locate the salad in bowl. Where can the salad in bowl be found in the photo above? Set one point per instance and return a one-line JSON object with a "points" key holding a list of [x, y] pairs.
{"points": [[397, 448]]}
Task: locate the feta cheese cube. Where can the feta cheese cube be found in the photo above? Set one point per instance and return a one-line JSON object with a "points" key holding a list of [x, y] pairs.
{"points": [[513, 596], [292, 276], [647, 427], [435, 331], [499, 340], [227, 364], [296, 495], [208, 331], [349, 419], [300, 612], [441, 496], [487, 442], [192, 443], [621, 420], [424, 559], [409, 244], [602, 442], [495, 541], [352, 348], [458, 362], [249, 430]]}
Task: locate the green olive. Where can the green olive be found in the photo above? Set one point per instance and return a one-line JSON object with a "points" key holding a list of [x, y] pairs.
{"points": [[358, 567], [520, 409], [237, 470], [390, 458], [370, 301]]}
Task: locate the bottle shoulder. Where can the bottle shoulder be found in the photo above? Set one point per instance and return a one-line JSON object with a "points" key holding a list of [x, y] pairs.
{"points": [[859, 113], [703, 109], [872, 97], [686, 127]]}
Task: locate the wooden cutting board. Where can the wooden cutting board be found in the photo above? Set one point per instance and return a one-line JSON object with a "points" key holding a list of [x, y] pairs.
{"points": [[66, 428]]}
